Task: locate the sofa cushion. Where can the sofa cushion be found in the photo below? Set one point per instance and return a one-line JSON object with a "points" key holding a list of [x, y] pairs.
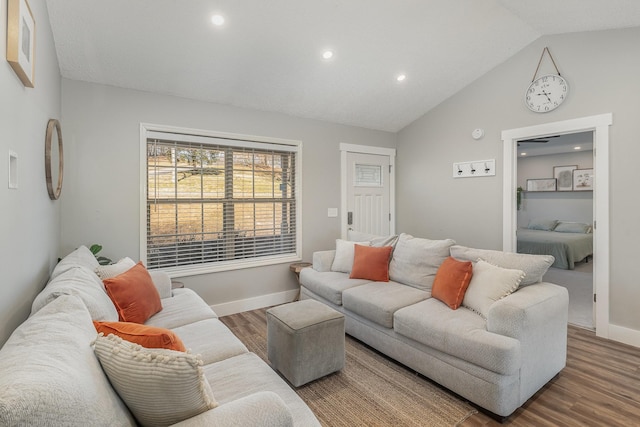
{"points": [[534, 266], [373, 239], [134, 294], [371, 263], [81, 257], [210, 339], [452, 281], [184, 307], [146, 336], [460, 333], [85, 284], [50, 375], [415, 261], [246, 374], [489, 284], [343, 258], [112, 270], [160, 387], [329, 285], [377, 301]]}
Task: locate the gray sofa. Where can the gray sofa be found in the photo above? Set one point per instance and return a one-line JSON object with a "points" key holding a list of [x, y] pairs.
{"points": [[497, 362], [49, 374]]}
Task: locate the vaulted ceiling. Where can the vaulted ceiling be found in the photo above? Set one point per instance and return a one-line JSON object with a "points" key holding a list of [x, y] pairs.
{"points": [[268, 53]]}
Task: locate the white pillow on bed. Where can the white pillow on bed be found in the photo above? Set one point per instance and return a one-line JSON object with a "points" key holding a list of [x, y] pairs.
{"points": [[543, 224], [572, 227]]}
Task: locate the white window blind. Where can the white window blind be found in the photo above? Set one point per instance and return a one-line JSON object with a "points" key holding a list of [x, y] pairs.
{"points": [[213, 201]]}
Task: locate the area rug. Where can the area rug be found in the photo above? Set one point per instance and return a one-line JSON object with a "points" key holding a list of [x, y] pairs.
{"points": [[371, 390]]}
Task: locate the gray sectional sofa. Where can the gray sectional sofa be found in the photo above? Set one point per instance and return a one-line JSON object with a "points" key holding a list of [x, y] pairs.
{"points": [[497, 362], [49, 374]]}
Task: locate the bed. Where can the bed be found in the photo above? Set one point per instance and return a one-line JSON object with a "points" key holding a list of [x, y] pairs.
{"points": [[568, 242]]}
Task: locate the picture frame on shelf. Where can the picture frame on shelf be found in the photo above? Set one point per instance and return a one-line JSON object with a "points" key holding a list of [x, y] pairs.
{"points": [[21, 41], [564, 177], [583, 179], [542, 184]]}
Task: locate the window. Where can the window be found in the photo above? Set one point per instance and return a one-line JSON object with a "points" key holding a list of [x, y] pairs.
{"points": [[217, 202]]}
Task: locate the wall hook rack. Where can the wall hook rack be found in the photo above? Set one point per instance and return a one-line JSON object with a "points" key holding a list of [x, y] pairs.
{"points": [[474, 168]]}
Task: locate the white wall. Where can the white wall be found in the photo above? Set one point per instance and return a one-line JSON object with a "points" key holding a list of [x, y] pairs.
{"points": [[29, 221], [602, 69], [562, 205], [102, 127]]}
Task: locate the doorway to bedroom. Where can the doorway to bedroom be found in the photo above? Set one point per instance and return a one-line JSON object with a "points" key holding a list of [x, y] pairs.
{"points": [[598, 125], [555, 213]]}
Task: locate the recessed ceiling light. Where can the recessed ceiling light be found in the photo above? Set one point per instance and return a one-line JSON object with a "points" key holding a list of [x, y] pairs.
{"points": [[327, 54], [401, 78], [217, 20], [577, 147], [523, 154]]}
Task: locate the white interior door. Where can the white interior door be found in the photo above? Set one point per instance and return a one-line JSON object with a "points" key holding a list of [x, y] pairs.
{"points": [[368, 193]]}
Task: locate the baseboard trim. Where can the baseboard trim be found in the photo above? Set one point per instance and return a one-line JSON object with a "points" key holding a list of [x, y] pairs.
{"points": [[624, 335], [254, 303]]}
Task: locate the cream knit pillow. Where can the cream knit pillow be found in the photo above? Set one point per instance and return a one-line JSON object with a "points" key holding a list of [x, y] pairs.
{"points": [[113, 270], [490, 283], [160, 387]]}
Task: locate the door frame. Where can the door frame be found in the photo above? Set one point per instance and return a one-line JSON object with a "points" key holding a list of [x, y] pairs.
{"points": [[366, 149], [599, 124]]}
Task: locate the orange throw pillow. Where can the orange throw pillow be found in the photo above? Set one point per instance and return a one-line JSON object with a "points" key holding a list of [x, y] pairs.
{"points": [[371, 263], [134, 294], [146, 336], [452, 281]]}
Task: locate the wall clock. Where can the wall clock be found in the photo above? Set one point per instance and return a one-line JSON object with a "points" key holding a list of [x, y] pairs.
{"points": [[547, 92]]}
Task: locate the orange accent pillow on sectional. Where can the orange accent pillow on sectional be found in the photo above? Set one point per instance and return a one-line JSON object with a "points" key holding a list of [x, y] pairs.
{"points": [[451, 281], [371, 263], [146, 336], [134, 294]]}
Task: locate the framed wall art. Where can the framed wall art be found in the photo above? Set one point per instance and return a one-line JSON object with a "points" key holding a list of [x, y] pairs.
{"points": [[564, 177], [583, 180], [21, 41], [543, 184]]}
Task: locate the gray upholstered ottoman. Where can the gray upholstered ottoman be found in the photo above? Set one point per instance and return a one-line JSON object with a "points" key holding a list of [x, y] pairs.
{"points": [[305, 340]]}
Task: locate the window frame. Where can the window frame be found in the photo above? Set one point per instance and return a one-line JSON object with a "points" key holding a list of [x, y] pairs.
{"points": [[148, 130]]}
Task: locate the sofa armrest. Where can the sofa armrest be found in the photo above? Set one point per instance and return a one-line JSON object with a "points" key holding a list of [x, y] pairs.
{"points": [[162, 282], [537, 316], [263, 408], [322, 260]]}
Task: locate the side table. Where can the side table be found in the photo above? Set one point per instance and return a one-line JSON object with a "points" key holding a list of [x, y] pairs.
{"points": [[297, 267], [176, 285]]}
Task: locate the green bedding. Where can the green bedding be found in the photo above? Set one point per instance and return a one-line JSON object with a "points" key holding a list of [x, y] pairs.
{"points": [[566, 248]]}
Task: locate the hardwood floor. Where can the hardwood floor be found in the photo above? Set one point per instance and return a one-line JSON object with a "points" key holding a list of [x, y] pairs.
{"points": [[600, 385]]}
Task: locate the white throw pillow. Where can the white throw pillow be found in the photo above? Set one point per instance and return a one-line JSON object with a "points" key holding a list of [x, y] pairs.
{"points": [[113, 270], [160, 387], [490, 283], [343, 260], [81, 257]]}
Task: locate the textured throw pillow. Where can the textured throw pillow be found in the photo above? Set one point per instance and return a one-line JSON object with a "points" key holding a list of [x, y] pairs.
{"points": [[134, 295], [534, 266], [373, 239], [146, 336], [415, 261], [112, 270], [371, 263], [81, 257], [543, 224], [343, 260], [160, 387], [489, 284], [451, 281], [572, 227]]}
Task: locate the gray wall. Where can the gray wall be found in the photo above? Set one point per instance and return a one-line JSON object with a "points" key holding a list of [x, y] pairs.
{"points": [[29, 221], [561, 205], [602, 69], [102, 204]]}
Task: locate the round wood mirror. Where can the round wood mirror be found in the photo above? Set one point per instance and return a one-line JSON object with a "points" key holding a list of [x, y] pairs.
{"points": [[53, 158]]}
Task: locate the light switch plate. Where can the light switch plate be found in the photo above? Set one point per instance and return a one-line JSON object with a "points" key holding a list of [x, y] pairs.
{"points": [[332, 212]]}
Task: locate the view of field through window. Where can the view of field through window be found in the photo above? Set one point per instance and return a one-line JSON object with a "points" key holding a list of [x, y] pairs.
{"points": [[210, 203]]}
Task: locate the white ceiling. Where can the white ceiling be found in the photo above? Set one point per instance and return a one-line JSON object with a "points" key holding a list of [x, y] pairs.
{"points": [[267, 56]]}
